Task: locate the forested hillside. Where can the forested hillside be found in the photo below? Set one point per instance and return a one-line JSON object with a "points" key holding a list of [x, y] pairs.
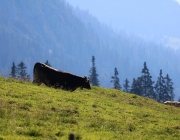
{"points": [[32, 31]]}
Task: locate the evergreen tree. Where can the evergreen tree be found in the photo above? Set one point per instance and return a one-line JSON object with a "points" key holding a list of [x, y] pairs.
{"points": [[168, 92], [115, 80], [47, 63], [22, 72], [126, 86], [93, 74], [13, 73], [147, 83], [160, 88], [136, 87]]}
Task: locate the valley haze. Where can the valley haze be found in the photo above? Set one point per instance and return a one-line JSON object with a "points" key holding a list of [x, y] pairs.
{"points": [[152, 20]]}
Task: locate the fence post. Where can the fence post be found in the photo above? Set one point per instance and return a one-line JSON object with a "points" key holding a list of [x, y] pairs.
{"points": [[71, 136]]}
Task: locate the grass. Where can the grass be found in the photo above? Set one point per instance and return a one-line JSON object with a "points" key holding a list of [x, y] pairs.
{"points": [[35, 112]]}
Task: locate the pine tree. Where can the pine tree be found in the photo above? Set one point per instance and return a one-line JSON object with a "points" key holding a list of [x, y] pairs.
{"points": [[136, 87], [168, 92], [147, 83], [160, 88], [22, 72], [47, 63], [126, 86], [13, 73], [115, 80], [93, 74]]}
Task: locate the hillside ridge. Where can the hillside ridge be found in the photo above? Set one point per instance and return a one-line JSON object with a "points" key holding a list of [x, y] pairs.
{"points": [[28, 111]]}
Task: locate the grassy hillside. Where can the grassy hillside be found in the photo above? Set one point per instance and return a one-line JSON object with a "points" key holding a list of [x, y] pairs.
{"points": [[31, 112]]}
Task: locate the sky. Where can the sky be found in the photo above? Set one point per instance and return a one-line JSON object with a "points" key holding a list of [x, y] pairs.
{"points": [[178, 1], [153, 20]]}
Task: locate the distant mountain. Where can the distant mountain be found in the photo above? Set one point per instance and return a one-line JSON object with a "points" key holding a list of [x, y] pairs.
{"points": [[151, 20], [38, 30], [136, 50], [32, 31]]}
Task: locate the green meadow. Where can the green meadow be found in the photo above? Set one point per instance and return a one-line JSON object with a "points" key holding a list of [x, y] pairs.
{"points": [[31, 112]]}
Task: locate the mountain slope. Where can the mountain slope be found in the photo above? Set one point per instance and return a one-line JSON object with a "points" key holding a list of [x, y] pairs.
{"points": [[32, 31], [149, 19], [135, 51], [28, 111], [43, 30]]}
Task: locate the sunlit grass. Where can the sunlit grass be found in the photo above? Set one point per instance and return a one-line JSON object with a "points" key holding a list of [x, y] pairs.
{"points": [[28, 111]]}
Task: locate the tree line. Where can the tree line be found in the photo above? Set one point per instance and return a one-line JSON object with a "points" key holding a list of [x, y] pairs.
{"points": [[161, 90], [19, 71]]}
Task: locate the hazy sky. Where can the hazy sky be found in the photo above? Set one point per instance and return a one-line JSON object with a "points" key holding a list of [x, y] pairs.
{"points": [[177, 1], [147, 18]]}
